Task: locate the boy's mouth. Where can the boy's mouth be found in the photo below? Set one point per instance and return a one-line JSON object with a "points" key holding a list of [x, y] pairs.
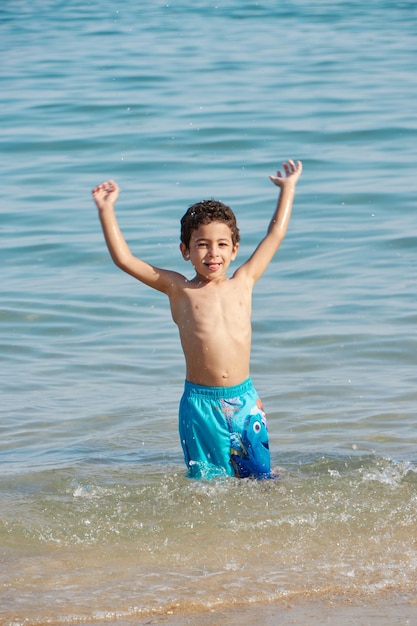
{"points": [[213, 267]]}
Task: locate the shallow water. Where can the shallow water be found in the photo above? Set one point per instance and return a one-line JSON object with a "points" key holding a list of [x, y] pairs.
{"points": [[179, 102], [122, 542]]}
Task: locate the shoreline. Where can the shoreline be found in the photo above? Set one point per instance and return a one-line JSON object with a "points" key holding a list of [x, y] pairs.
{"points": [[380, 610], [388, 608]]}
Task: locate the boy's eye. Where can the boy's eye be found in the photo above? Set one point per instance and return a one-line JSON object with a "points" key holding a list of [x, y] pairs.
{"points": [[204, 244]]}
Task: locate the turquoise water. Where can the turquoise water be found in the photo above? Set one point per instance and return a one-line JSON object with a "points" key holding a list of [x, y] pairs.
{"points": [[181, 101]]}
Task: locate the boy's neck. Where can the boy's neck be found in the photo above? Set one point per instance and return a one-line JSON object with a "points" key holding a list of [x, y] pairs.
{"points": [[202, 280]]}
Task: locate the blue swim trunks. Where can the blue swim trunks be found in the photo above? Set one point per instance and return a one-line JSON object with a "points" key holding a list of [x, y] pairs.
{"points": [[223, 431]]}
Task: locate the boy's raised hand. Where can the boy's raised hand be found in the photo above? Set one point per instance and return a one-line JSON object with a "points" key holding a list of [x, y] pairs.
{"points": [[106, 194], [292, 174]]}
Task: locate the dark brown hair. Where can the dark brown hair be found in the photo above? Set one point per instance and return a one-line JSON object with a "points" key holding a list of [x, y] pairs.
{"points": [[205, 212]]}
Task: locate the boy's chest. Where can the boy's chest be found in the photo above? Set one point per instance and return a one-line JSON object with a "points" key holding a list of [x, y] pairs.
{"points": [[214, 305]]}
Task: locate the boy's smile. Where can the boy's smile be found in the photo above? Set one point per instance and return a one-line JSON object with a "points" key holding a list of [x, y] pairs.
{"points": [[211, 250]]}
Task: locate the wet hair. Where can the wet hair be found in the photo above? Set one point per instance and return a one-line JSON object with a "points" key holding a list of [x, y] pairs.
{"points": [[205, 212]]}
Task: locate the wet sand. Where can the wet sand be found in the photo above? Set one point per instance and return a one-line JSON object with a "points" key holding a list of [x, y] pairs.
{"points": [[396, 610]]}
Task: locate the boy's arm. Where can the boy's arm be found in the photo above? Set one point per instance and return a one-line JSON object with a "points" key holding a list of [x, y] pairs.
{"points": [[260, 259], [105, 196]]}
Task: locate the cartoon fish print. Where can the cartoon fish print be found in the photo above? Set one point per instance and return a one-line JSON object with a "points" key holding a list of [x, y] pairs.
{"points": [[250, 449]]}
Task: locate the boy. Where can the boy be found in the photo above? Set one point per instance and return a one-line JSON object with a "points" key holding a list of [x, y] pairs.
{"points": [[222, 424]]}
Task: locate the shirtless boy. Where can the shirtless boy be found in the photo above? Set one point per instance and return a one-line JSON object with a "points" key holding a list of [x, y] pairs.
{"points": [[222, 423]]}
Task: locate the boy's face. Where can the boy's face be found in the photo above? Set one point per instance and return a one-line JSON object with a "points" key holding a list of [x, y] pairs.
{"points": [[211, 250]]}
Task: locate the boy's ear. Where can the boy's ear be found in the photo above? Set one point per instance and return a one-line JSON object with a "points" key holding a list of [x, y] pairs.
{"points": [[185, 252], [235, 251]]}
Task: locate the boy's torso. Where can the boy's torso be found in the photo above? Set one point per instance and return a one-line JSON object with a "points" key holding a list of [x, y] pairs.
{"points": [[214, 322]]}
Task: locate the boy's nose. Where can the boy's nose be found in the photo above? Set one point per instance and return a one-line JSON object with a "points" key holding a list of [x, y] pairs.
{"points": [[213, 252]]}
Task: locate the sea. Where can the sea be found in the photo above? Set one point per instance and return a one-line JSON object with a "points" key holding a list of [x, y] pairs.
{"points": [[181, 101]]}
